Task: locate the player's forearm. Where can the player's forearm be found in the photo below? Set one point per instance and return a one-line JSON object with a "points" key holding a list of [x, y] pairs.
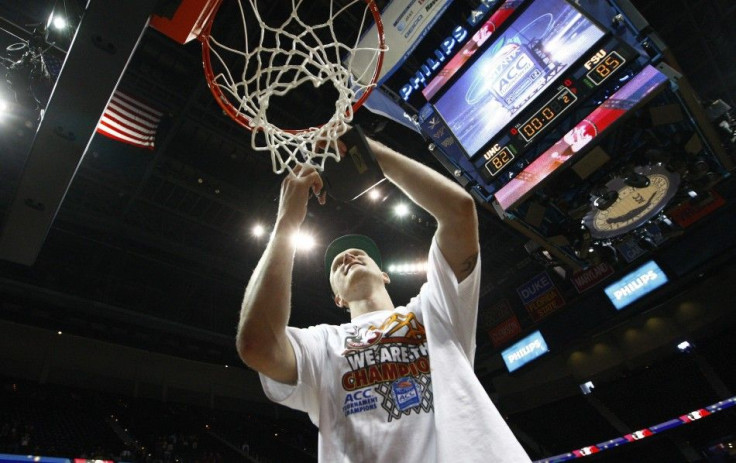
{"points": [[267, 301], [444, 199], [449, 204]]}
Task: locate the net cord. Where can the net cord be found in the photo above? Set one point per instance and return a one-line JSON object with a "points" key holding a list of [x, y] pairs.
{"points": [[294, 59]]}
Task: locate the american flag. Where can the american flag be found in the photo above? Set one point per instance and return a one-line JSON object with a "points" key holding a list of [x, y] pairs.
{"points": [[130, 121]]}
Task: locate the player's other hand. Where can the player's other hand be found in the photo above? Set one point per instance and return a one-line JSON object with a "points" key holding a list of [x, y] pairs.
{"points": [[342, 148], [296, 189]]}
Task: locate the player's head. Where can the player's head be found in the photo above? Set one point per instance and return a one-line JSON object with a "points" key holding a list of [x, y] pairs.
{"points": [[352, 255]]}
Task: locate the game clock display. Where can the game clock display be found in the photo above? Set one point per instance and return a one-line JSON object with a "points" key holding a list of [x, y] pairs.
{"points": [[583, 81], [548, 113], [633, 93]]}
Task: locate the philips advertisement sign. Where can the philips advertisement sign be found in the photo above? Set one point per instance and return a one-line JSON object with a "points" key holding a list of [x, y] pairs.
{"points": [[636, 284], [524, 351]]}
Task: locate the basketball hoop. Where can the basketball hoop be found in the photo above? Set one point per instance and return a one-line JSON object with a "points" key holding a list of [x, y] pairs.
{"points": [[274, 59]]}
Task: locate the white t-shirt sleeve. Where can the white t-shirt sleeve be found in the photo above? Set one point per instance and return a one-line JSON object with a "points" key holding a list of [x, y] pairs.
{"points": [[451, 303], [308, 345]]}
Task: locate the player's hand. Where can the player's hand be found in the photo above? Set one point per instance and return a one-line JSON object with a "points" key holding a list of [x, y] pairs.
{"points": [[342, 148], [296, 189]]}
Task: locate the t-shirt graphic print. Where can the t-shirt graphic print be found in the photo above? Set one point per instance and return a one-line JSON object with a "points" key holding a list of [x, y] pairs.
{"points": [[388, 367]]}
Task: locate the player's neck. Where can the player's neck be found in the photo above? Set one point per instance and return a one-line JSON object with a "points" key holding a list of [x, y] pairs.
{"points": [[378, 300]]}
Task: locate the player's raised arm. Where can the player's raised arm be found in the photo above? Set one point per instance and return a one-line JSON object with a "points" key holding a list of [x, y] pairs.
{"points": [[261, 340], [445, 200]]}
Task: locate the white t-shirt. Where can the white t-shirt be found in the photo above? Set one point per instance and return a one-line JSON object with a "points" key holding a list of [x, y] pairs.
{"points": [[398, 385]]}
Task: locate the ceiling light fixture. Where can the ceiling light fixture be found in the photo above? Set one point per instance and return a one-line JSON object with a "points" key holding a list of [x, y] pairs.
{"points": [[408, 268], [602, 200], [303, 241], [401, 210], [374, 195], [58, 22], [685, 347], [587, 387], [258, 230]]}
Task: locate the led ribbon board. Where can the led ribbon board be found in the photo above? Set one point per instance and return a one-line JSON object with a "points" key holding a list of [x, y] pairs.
{"points": [[635, 285], [635, 436], [628, 97], [12, 458], [524, 351], [466, 52]]}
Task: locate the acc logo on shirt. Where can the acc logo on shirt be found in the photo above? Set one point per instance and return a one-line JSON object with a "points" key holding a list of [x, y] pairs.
{"points": [[359, 401], [407, 393]]}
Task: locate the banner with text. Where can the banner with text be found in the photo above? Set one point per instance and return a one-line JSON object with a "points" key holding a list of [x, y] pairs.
{"points": [[524, 351], [505, 331], [583, 280], [540, 296]]}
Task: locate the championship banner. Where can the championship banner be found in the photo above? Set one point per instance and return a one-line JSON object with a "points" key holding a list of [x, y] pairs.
{"points": [[688, 213], [583, 280], [630, 250], [500, 323], [495, 314], [540, 296], [405, 23], [505, 331]]}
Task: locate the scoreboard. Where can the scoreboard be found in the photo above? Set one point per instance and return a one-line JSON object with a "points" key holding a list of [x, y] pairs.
{"points": [[489, 114], [525, 102]]}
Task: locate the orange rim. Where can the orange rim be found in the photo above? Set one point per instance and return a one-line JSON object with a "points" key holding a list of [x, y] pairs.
{"points": [[241, 119]]}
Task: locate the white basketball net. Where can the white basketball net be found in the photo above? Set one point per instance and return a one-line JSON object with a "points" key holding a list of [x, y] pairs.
{"points": [[277, 59]]}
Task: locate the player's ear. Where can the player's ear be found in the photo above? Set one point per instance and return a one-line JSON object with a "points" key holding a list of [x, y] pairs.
{"points": [[386, 278], [339, 301]]}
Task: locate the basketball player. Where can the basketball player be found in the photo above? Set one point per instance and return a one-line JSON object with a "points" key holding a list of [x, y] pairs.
{"points": [[395, 383]]}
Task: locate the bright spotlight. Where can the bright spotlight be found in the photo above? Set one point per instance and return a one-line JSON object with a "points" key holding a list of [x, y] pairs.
{"points": [[258, 231], [3, 106], [303, 241], [401, 210], [408, 268], [374, 195], [59, 23], [685, 346], [587, 387]]}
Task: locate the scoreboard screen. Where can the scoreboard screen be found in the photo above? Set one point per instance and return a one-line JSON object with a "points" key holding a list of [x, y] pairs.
{"points": [[528, 57]]}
